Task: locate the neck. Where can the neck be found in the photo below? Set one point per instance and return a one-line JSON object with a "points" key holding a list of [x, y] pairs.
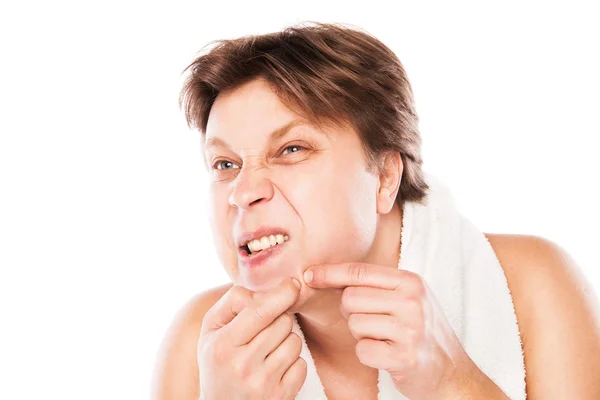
{"points": [[323, 325]]}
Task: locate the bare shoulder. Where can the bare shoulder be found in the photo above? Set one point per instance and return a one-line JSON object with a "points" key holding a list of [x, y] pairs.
{"points": [[536, 267], [176, 374], [558, 315]]}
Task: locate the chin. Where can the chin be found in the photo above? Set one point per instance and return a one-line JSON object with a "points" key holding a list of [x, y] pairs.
{"points": [[267, 276], [258, 282]]}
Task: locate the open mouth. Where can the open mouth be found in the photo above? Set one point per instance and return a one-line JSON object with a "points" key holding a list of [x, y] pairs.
{"points": [[256, 246]]}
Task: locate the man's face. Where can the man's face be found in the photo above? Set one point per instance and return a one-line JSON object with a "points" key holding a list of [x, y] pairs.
{"points": [[310, 185]]}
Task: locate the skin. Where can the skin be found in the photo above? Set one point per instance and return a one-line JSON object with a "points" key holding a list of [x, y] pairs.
{"points": [[311, 191]]}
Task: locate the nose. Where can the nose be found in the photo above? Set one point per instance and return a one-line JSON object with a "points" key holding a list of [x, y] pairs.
{"points": [[251, 187]]}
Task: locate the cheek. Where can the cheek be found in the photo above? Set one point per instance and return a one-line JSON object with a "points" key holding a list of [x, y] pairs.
{"points": [[336, 206]]}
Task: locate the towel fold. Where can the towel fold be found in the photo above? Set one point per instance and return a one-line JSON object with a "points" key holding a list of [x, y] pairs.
{"points": [[460, 266]]}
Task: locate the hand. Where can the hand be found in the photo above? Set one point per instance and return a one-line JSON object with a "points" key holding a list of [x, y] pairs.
{"points": [[247, 349], [399, 326]]}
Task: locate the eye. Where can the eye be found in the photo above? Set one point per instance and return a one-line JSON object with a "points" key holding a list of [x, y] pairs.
{"points": [[295, 147], [224, 164]]}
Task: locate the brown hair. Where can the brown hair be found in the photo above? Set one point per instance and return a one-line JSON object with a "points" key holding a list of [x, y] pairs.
{"points": [[328, 73]]}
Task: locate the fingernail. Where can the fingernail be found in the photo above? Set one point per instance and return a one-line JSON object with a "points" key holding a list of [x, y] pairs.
{"points": [[297, 283], [308, 275]]}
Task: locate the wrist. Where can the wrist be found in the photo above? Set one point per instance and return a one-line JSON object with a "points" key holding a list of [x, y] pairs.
{"points": [[471, 383]]}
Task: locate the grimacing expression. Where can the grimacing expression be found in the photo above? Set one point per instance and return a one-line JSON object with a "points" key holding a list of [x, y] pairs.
{"points": [[268, 166]]}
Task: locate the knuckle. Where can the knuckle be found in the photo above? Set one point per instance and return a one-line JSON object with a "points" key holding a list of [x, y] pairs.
{"points": [[235, 290], [296, 343], [361, 349], [358, 272], [290, 346], [299, 368], [397, 328], [301, 365], [241, 368], [413, 337], [239, 292], [286, 321], [256, 385], [412, 305], [210, 314], [417, 286], [219, 352], [414, 309], [302, 362], [353, 320], [261, 316], [348, 295]]}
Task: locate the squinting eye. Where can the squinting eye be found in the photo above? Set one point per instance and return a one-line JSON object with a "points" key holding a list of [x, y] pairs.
{"points": [[292, 147], [223, 164]]}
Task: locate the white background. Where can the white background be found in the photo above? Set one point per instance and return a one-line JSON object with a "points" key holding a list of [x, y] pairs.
{"points": [[103, 230]]}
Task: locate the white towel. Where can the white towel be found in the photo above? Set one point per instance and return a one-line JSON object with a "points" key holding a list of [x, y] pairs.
{"points": [[462, 270]]}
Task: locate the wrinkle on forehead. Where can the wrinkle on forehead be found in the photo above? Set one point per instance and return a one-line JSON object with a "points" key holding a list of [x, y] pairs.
{"points": [[257, 104]]}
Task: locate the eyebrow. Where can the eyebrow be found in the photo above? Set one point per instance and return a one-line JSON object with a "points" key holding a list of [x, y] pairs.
{"points": [[274, 135]]}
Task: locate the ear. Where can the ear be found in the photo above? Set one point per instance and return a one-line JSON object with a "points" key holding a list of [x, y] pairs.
{"points": [[390, 176]]}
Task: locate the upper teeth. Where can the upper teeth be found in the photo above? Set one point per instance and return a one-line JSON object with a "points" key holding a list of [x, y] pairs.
{"points": [[265, 242]]}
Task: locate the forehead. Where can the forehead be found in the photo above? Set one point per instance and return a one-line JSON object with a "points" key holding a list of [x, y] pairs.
{"points": [[253, 108]]}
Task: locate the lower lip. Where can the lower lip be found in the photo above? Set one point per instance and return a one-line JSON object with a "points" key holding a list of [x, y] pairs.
{"points": [[258, 259]]}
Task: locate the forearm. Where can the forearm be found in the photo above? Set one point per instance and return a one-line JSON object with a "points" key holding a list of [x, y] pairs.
{"points": [[473, 385], [480, 389]]}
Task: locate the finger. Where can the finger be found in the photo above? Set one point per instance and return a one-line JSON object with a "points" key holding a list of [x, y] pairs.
{"points": [[226, 308], [353, 274], [369, 300], [294, 378], [375, 354], [261, 313], [271, 337], [284, 355], [376, 326]]}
